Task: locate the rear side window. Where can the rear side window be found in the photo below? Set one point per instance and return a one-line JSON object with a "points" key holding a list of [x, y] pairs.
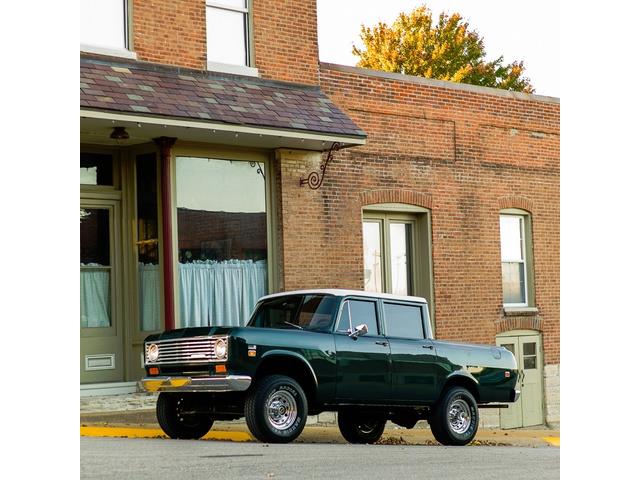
{"points": [[404, 321], [362, 311]]}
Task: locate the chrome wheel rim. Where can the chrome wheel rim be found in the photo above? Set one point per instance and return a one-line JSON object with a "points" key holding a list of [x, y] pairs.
{"points": [[459, 416], [367, 427], [282, 410]]}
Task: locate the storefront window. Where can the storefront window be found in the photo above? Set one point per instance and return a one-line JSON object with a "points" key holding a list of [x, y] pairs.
{"points": [[95, 268], [222, 239], [96, 169], [149, 287]]}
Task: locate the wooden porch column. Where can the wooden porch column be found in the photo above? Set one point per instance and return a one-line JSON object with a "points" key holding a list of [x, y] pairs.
{"points": [[165, 144]]}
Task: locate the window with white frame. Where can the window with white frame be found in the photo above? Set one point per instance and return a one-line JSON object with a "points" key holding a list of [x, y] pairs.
{"points": [[103, 25], [515, 252], [228, 32]]}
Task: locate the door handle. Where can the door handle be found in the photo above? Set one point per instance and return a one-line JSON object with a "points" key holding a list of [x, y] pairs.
{"points": [[383, 343], [430, 347]]}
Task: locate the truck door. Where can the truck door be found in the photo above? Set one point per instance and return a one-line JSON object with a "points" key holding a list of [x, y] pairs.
{"points": [[363, 367], [413, 356]]}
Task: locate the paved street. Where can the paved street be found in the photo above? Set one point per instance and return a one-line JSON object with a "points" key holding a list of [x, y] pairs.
{"points": [[121, 458]]}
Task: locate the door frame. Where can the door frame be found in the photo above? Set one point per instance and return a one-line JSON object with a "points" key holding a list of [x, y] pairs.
{"points": [[112, 202]]}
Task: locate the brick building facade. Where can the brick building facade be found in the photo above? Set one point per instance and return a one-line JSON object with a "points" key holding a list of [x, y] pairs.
{"points": [[445, 161]]}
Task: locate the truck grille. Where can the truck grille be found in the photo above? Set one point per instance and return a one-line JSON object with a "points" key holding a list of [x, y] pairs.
{"points": [[194, 350]]}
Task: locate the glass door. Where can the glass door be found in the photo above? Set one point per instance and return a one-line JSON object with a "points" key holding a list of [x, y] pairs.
{"points": [[101, 345]]}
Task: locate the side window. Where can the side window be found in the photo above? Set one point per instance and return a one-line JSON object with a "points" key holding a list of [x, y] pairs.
{"points": [[404, 321], [362, 311]]}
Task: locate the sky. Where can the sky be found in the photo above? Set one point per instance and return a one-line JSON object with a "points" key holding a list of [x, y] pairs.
{"points": [[510, 28]]}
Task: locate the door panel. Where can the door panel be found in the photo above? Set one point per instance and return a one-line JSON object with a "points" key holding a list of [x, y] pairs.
{"points": [[363, 363], [532, 381], [511, 417], [364, 374], [414, 371], [527, 411], [101, 346]]}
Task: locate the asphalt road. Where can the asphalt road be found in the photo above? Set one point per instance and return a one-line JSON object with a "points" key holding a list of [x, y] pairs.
{"points": [[159, 459]]}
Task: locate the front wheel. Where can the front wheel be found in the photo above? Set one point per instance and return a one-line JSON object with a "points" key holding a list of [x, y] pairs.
{"points": [[276, 409], [455, 419], [180, 415], [357, 428]]}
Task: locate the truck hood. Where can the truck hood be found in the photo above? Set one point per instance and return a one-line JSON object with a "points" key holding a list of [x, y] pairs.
{"points": [[189, 332]]}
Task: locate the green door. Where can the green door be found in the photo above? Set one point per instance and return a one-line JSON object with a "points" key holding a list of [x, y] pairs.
{"points": [[363, 367], [527, 411]]}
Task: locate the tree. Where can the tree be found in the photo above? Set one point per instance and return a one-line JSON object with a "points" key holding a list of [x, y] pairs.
{"points": [[447, 50]]}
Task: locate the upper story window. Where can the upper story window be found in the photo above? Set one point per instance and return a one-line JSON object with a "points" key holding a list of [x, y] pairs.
{"points": [[516, 253], [104, 27], [228, 46]]}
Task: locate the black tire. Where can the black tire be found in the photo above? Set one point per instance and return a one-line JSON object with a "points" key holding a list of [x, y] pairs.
{"points": [[276, 409], [171, 411], [358, 428], [455, 418]]}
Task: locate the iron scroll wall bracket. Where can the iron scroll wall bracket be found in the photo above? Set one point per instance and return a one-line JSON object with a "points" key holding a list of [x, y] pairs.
{"points": [[315, 179]]}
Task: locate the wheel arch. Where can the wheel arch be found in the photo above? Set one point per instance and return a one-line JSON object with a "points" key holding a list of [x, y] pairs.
{"points": [[462, 379], [291, 364]]}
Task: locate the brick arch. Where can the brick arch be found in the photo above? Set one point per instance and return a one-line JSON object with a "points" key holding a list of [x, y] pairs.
{"points": [[533, 322], [516, 201], [398, 195]]}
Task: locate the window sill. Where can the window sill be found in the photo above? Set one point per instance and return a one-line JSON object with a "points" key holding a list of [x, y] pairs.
{"points": [[233, 69], [520, 311], [112, 52]]}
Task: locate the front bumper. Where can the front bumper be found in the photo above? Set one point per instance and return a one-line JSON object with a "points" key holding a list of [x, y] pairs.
{"points": [[229, 383]]}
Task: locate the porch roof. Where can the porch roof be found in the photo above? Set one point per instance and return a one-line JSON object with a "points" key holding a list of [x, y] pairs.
{"points": [[154, 90]]}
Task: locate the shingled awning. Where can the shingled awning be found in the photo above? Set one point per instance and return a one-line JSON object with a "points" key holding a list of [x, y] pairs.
{"points": [[138, 88]]}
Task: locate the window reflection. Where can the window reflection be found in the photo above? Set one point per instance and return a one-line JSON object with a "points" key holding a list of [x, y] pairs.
{"points": [[149, 286], [95, 272], [372, 257], [222, 239], [400, 238], [96, 169]]}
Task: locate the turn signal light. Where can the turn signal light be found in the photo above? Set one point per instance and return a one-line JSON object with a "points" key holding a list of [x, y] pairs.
{"points": [[154, 371], [221, 369]]}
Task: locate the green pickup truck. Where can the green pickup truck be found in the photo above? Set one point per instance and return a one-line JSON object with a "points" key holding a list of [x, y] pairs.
{"points": [[370, 357]]}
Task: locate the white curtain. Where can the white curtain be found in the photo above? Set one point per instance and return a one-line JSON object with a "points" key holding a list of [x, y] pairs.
{"points": [[95, 300], [220, 293], [149, 297]]}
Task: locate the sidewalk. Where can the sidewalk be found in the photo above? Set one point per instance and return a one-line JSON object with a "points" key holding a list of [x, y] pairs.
{"points": [[143, 424]]}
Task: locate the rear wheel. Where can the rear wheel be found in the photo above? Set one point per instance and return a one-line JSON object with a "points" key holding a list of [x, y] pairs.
{"points": [[276, 410], [180, 415], [455, 419], [359, 428]]}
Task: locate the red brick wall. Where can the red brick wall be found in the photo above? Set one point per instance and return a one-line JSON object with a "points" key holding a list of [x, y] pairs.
{"points": [[470, 154], [171, 32], [285, 39]]}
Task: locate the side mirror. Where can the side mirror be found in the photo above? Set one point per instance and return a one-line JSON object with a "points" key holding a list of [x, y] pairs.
{"points": [[360, 330]]}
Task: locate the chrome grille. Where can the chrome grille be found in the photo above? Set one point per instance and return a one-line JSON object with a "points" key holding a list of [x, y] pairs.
{"points": [[194, 350]]}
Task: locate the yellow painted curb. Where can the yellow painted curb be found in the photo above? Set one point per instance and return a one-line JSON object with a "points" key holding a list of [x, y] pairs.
{"points": [[555, 441], [156, 433]]}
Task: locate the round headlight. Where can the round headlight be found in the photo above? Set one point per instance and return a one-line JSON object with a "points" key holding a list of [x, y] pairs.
{"points": [[221, 348], [152, 352]]}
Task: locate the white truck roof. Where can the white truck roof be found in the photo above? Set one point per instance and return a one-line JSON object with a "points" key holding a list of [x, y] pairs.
{"points": [[343, 293]]}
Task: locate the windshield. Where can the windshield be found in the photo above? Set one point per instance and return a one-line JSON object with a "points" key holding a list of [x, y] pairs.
{"points": [[303, 312]]}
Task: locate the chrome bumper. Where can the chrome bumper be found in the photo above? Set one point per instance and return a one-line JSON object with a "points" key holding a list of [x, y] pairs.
{"points": [[230, 383]]}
